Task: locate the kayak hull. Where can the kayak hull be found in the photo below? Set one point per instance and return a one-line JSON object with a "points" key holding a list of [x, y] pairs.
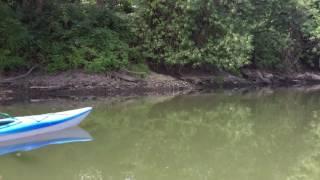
{"points": [[41, 124]]}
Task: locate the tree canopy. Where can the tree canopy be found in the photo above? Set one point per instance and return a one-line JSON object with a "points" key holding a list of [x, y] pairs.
{"points": [[105, 35]]}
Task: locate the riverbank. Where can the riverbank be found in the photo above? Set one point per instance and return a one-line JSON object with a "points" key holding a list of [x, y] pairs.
{"points": [[75, 84]]}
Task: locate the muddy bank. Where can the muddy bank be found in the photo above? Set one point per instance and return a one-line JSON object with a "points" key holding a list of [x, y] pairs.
{"points": [[74, 84], [78, 84]]}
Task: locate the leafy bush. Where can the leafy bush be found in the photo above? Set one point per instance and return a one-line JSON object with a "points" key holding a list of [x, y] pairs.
{"points": [[13, 39], [311, 29], [192, 32], [65, 36], [83, 37], [228, 34], [269, 46]]}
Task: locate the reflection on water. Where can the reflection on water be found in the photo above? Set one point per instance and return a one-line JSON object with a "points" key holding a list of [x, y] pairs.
{"points": [[211, 136], [70, 135]]}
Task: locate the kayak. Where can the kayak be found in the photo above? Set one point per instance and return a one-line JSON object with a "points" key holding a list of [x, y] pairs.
{"points": [[20, 127], [70, 135]]}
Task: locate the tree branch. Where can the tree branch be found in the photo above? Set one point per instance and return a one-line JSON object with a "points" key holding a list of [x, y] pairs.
{"points": [[20, 76]]}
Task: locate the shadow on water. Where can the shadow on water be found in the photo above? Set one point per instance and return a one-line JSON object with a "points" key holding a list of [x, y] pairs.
{"points": [[229, 136]]}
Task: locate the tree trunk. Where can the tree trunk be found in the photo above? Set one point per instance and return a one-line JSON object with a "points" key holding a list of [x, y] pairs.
{"points": [[26, 4], [39, 6], [100, 3]]}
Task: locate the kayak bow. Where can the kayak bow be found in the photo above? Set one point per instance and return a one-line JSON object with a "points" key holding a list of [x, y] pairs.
{"points": [[20, 127]]}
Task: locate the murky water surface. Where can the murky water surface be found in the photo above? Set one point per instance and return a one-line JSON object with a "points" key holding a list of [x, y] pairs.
{"points": [[224, 136]]}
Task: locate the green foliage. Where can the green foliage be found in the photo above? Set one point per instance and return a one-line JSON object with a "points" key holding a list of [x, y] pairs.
{"points": [[111, 34], [66, 36], [311, 28], [228, 34], [277, 33], [269, 46], [83, 37], [192, 32], [13, 38]]}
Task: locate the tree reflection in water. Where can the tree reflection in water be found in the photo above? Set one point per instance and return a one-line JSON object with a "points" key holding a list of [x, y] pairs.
{"points": [[211, 136]]}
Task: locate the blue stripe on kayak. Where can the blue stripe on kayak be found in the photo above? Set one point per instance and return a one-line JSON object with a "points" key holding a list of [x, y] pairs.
{"points": [[40, 125]]}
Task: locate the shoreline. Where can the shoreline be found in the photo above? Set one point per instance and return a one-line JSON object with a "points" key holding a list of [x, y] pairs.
{"points": [[78, 84]]}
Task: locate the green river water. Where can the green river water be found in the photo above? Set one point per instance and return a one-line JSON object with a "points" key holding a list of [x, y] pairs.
{"points": [[216, 136]]}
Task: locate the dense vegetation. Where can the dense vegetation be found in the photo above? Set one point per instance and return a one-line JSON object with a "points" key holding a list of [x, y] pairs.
{"points": [[104, 35]]}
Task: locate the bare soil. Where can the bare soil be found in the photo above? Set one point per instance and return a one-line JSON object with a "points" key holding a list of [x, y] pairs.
{"points": [[78, 84]]}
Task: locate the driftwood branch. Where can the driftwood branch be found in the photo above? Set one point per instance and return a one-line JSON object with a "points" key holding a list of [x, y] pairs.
{"points": [[134, 72], [20, 76]]}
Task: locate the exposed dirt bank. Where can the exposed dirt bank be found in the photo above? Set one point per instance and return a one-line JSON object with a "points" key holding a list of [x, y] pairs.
{"points": [[75, 84]]}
